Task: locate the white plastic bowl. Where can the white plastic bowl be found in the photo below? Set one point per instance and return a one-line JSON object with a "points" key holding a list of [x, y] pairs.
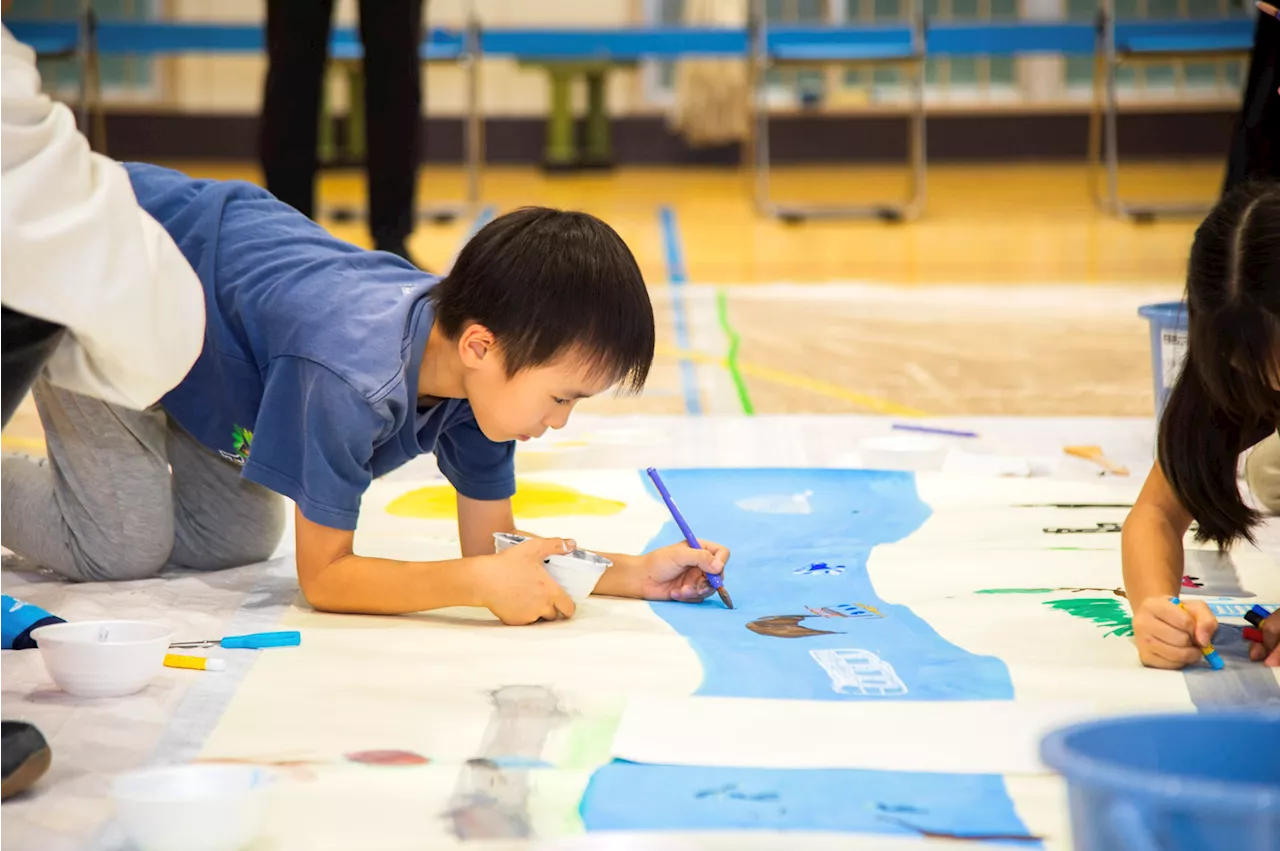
{"points": [[103, 658], [193, 807], [577, 572], [903, 452]]}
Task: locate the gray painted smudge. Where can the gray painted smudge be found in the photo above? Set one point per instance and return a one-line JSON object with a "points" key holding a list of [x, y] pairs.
{"points": [[492, 796]]}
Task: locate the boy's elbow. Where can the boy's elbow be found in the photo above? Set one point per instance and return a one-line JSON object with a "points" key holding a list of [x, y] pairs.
{"points": [[318, 590], [321, 601]]}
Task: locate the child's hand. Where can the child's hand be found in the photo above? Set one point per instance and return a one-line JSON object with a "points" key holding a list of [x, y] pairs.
{"points": [[1171, 637], [677, 572], [1268, 652], [516, 587]]}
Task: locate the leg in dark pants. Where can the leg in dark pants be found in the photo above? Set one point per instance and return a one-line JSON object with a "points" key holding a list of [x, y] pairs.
{"points": [[391, 31], [297, 47], [26, 346]]}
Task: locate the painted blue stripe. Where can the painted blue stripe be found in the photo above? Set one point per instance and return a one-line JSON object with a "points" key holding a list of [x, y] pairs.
{"points": [[677, 277]]}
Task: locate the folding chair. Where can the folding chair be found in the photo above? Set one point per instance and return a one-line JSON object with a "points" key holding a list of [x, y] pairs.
{"points": [[900, 46], [1220, 39]]}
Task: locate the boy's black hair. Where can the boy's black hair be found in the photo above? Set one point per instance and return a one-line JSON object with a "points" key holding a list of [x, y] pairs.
{"points": [[1226, 397], [547, 282]]}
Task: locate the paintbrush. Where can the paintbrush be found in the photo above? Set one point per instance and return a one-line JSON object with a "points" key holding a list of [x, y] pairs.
{"points": [[1094, 454], [716, 581]]}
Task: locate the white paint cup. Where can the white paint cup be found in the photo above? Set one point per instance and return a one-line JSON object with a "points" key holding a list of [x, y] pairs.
{"points": [[577, 572]]}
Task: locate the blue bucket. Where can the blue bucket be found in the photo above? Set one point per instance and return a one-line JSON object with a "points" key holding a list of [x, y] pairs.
{"points": [[1168, 323], [1206, 782]]}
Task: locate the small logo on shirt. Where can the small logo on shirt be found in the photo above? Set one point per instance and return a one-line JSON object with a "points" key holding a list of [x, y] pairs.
{"points": [[241, 442]]}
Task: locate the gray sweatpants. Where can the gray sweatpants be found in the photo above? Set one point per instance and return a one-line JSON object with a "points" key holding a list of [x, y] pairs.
{"points": [[125, 493]]}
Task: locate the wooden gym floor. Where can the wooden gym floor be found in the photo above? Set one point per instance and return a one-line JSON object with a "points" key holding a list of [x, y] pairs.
{"points": [[1012, 295]]}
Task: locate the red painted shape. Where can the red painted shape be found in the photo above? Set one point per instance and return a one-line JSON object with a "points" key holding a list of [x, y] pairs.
{"points": [[387, 758]]}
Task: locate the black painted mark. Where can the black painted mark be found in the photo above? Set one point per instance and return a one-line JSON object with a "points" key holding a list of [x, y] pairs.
{"points": [[1100, 528]]}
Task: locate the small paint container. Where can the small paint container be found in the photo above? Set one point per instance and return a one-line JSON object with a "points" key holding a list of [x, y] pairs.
{"points": [[577, 572], [193, 807]]}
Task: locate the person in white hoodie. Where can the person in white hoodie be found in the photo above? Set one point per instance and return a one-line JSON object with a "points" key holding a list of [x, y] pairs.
{"points": [[93, 291], [79, 254]]}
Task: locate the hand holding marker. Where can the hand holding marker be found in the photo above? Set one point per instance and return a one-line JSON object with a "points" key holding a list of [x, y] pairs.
{"points": [[716, 581], [1210, 655], [1262, 647]]}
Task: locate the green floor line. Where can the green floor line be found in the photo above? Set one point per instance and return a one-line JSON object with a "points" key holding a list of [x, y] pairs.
{"points": [[722, 312]]}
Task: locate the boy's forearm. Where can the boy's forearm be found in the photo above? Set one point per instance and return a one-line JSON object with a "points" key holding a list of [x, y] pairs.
{"points": [[619, 580], [478, 520], [1152, 555], [356, 584]]}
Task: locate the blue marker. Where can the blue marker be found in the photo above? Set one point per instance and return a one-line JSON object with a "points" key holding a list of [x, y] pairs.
{"points": [[713, 579], [1210, 655], [1256, 615]]}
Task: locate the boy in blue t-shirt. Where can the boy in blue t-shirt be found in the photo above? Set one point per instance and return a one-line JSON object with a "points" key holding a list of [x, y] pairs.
{"points": [[324, 366]]}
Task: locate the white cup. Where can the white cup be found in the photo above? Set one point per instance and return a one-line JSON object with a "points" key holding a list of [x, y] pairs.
{"points": [[576, 572], [193, 807]]}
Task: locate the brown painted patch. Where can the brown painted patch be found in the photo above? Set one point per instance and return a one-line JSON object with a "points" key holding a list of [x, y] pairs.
{"points": [[785, 626]]}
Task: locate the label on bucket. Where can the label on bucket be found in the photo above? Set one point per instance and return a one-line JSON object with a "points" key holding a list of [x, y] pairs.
{"points": [[1173, 351]]}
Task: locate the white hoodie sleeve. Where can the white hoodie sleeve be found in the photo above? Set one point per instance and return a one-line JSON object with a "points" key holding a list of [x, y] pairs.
{"points": [[79, 251]]}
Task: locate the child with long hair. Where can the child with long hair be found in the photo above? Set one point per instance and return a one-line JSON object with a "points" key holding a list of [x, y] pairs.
{"points": [[1225, 401]]}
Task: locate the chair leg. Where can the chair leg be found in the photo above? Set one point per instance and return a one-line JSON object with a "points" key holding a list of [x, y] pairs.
{"points": [[599, 147], [1095, 128], [562, 152], [1111, 120], [918, 148]]}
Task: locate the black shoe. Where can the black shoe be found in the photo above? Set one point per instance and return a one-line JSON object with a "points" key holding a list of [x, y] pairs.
{"points": [[26, 757]]}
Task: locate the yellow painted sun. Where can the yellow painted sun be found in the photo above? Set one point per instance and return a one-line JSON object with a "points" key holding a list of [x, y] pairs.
{"points": [[533, 500]]}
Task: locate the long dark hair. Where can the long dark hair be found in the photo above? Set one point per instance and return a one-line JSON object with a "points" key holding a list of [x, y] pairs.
{"points": [[1226, 397]]}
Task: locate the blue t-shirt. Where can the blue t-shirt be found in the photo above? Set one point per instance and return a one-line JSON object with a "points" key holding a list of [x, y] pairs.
{"points": [[309, 373]]}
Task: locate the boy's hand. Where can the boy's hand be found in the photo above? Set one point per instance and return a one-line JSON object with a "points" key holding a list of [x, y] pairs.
{"points": [[1268, 652], [516, 587], [1171, 637], [677, 572]]}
